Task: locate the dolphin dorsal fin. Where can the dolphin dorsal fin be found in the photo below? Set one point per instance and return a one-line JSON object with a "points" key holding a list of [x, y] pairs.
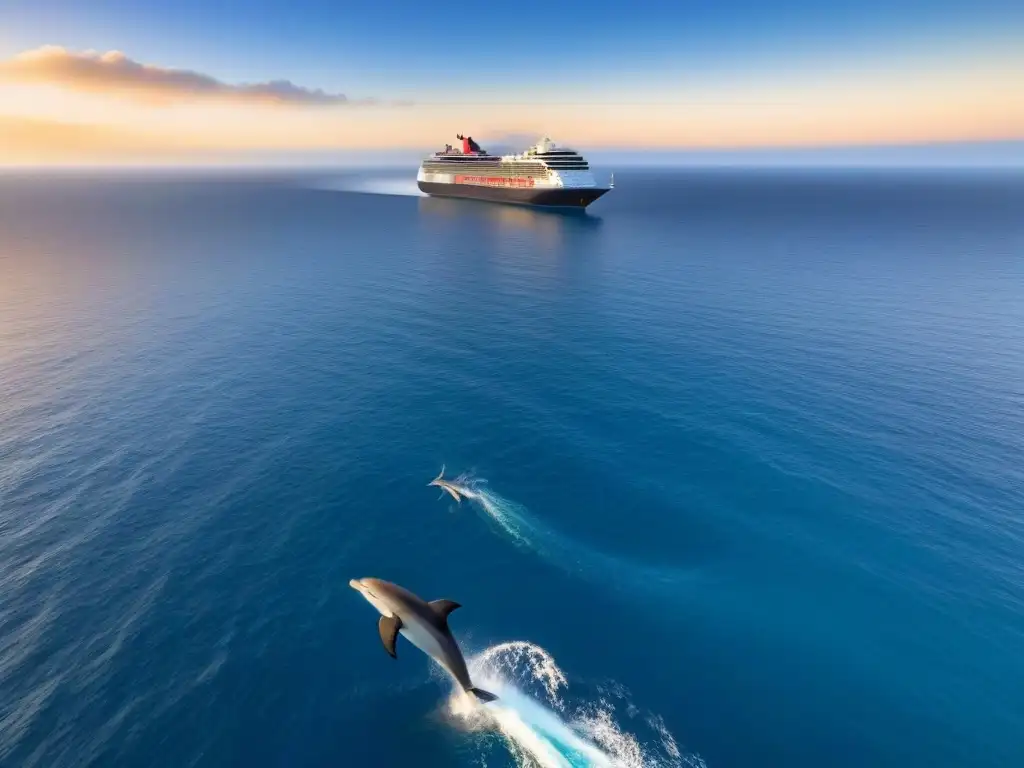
{"points": [[443, 607], [388, 627]]}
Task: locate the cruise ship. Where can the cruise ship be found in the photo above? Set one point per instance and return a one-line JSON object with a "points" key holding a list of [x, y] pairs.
{"points": [[543, 175]]}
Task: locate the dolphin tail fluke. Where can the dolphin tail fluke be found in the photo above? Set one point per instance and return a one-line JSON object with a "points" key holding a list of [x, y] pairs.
{"points": [[439, 476], [483, 696]]}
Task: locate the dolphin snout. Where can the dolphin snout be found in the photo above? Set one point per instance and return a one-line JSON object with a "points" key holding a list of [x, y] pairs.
{"points": [[355, 584]]}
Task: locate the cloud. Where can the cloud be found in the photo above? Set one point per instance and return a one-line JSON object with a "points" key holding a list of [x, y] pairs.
{"points": [[114, 72]]}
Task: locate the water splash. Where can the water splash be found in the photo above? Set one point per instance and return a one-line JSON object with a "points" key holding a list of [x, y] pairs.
{"points": [[540, 725], [526, 531]]}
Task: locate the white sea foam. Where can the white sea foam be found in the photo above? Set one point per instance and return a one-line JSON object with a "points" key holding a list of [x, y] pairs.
{"points": [[543, 726]]}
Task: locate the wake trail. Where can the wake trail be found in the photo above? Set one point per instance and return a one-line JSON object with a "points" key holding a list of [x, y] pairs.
{"points": [[526, 531], [545, 730], [373, 185]]}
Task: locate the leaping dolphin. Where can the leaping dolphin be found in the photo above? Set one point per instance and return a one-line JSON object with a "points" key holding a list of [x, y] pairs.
{"points": [[444, 485], [423, 624]]}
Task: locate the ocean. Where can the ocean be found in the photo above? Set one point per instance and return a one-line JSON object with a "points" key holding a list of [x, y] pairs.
{"points": [[744, 452]]}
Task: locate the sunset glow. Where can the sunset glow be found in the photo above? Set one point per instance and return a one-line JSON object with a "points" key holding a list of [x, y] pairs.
{"points": [[61, 105]]}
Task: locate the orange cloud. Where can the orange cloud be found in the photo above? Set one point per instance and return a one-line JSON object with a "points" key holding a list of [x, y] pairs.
{"points": [[113, 72]]}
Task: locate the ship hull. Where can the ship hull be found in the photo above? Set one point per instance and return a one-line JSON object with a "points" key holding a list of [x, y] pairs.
{"points": [[558, 197]]}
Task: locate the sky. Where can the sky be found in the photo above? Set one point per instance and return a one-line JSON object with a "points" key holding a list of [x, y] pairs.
{"points": [[140, 80]]}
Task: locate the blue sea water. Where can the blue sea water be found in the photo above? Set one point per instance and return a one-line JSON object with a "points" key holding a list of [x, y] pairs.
{"points": [[745, 452]]}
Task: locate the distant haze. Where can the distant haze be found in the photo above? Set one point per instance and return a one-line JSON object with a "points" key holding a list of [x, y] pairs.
{"points": [[1008, 155]]}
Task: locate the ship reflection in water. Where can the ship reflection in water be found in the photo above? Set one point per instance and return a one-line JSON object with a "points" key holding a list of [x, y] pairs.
{"points": [[551, 225]]}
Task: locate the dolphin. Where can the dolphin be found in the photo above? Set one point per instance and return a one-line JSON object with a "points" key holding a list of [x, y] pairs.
{"points": [[444, 485], [423, 624]]}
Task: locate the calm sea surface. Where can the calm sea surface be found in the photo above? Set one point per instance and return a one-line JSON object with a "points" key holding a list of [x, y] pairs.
{"points": [[747, 450]]}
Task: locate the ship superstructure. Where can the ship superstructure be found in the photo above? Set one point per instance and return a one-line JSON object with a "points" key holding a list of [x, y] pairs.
{"points": [[545, 174]]}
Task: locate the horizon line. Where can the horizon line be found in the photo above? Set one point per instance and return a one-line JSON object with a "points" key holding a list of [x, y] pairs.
{"points": [[996, 153]]}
